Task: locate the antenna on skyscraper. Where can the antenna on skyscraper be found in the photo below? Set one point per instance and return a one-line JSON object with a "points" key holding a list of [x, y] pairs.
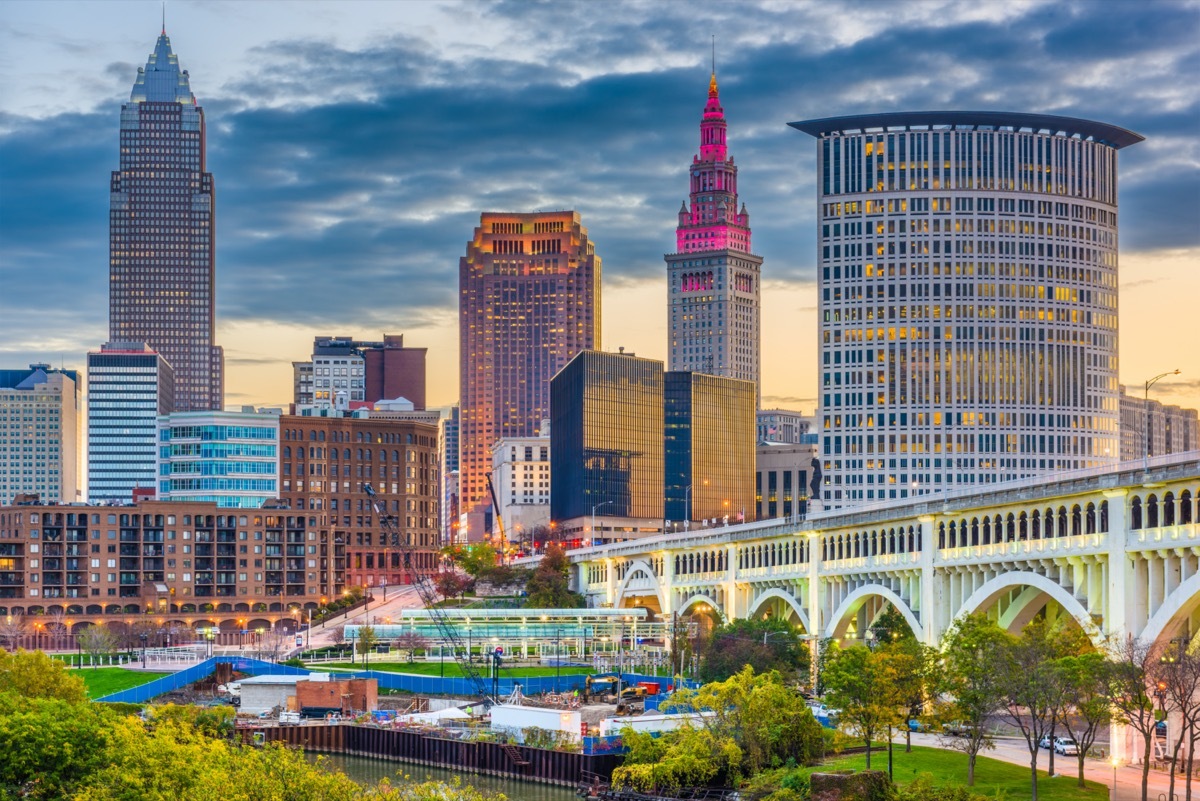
{"points": [[714, 52], [164, 15]]}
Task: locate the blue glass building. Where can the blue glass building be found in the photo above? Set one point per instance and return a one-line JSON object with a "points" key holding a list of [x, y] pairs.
{"points": [[227, 458]]}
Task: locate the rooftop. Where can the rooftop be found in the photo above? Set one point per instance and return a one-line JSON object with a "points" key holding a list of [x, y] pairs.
{"points": [[971, 120]]}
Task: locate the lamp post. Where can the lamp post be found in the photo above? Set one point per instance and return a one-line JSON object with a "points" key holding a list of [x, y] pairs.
{"points": [[557, 656], [594, 508], [1115, 763], [308, 632], [144, 637], [1146, 412]]}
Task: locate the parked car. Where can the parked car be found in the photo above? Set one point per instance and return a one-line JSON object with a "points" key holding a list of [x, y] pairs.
{"points": [[1065, 746], [1045, 742], [958, 728], [915, 725]]}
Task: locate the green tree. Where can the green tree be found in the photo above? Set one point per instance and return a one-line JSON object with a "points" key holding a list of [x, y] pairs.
{"points": [[451, 584], [1133, 676], [97, 641], [891, 626], [1030, 689], [764, 645], [915, 668], [35, 675], [366, 642], [475, 559], [972, 649], [50, 744], [1084, 683], [860, 684], [548, 586]]}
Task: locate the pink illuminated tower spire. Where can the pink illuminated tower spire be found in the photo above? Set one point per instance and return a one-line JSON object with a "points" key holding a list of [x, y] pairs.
{"points": [[714, 292]]}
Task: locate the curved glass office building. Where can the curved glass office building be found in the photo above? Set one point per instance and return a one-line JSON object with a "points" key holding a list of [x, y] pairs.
{"points": [[968, 311]]}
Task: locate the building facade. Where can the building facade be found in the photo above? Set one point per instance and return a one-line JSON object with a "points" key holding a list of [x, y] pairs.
{"points": [[783, 479], [129, 386], [781, 425], [1150, 428], [160, 557], [227, 458], [606, 447], [968, 312], [713, 299], [359, 372], [521, 477], [448, 471], [326, 460], [39, 433], [161, 232], [529, 301], [708, 429]]}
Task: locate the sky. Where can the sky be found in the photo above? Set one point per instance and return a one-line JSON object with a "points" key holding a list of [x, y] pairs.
{"points": [[354, 145]]}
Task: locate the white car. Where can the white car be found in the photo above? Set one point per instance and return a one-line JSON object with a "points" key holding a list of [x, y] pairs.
{"points": [[1065, 746], [1045, 742]]}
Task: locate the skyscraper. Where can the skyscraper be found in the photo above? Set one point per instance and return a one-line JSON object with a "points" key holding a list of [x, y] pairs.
{"points": [[968, 299], [129, 386], [161, 227], [714, 277], [529, 300]]}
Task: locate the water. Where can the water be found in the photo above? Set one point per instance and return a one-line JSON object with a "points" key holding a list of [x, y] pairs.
{"points": [[370, 771]]}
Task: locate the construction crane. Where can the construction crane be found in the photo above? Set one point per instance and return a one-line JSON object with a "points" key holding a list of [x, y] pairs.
{"points": [[499, 516], [390, 524]]}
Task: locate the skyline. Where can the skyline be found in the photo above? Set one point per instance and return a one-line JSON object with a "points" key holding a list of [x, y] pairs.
{"points": [[351, 165]]}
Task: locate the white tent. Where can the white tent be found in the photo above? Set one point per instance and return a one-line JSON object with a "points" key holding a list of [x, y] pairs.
{"points": [[440, 716]]}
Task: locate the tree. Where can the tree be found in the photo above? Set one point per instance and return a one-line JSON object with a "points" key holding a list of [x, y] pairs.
{"points": [[972, 649], [915, 668], [1132, 680], [97, 641], [1180, 686], [337, 635], [750, 723], [51, 744], [474, 559], [366, 642], [764, 645], [891, 626], [1084, 682], [12, 628], [33, 674], [548, 587], [1030, 689], [859, 684], [451, 584], [411, 641]]}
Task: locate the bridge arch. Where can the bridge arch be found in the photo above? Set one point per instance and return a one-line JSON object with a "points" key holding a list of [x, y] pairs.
{"points": [[788, 599], [1028, 602], [639, 568], [839, 621], [701, 598], [1175, 607]]}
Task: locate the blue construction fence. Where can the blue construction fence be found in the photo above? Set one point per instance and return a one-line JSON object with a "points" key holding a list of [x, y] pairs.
{"points": [[202, 670], [420, 685]]}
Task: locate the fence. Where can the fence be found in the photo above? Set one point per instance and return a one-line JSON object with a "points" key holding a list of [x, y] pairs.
{"points": [[516, 761], [144, 692]]}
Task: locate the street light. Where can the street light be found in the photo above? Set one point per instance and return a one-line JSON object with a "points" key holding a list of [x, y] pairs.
{"points": [[1115, 763], [594, 508], [1146, 411], [144, 637]]}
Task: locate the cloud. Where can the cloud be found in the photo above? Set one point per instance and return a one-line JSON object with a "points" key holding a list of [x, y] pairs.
{"points": [[349, 179]]}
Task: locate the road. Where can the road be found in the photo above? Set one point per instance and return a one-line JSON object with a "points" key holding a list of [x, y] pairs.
{"points": [[1129, 777]]}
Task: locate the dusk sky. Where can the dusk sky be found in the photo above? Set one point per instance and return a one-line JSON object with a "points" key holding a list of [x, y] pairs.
{"points": [[354, 145]]}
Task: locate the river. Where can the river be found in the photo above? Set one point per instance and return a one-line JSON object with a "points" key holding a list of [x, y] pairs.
{"points": [[370, 771]]}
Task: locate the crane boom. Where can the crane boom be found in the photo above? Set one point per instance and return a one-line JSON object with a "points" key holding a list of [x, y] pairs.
{"points": [[391, 528]]}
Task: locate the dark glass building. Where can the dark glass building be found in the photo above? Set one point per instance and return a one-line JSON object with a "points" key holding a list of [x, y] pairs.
{"points": [[606, 451], [161, 226], [709, 432]]}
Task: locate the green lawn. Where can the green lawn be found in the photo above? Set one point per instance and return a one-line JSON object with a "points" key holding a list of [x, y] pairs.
{"points": [[107, 680], [993, 778], [452, 669]]}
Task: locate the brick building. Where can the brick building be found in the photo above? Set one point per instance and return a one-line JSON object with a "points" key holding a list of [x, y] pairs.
{"points": [[163, 558], [325, 460]]}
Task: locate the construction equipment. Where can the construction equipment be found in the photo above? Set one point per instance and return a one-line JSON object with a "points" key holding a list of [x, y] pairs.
{"points": [[390, 525], [499, 517]]}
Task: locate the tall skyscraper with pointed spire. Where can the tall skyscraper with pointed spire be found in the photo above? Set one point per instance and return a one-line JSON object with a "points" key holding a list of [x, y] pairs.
{"points": [[161, 227], [714, 291]]}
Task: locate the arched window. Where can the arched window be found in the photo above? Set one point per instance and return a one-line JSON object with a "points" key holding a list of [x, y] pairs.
{"points": [[1135, 513], [1152, 511], [1089, 521], [1063, 531], [1104, 516], [287, 451], [987, 531], [1036, 525], [974, 530], [1185, 507], [1011, 528], [1168, 509], [1023, 527]]}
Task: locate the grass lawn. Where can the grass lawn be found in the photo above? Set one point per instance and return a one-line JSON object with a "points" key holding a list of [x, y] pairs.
{"points": [[993, 778], [107, 680], [452, 669]]}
